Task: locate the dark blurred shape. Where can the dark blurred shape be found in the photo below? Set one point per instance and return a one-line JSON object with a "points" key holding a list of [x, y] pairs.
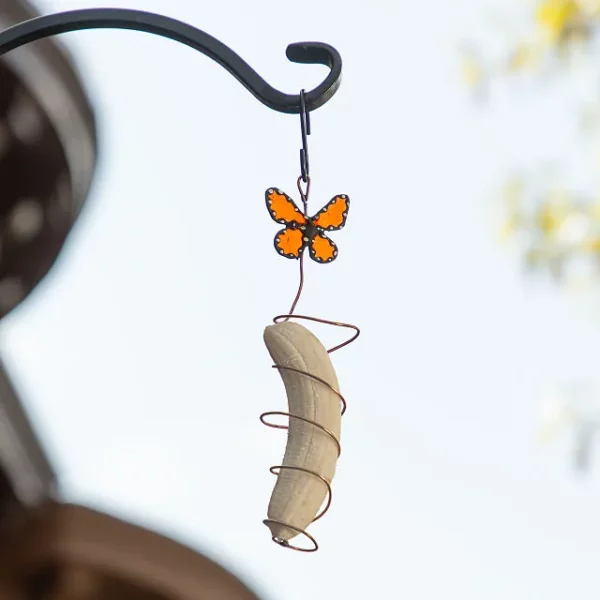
{"points": [[26, 477], [68, 552], [47, 157], [50, 550]]}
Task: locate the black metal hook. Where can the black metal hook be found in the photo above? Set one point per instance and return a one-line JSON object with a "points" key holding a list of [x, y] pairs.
{"points": [[117, 18], [305, 130]]}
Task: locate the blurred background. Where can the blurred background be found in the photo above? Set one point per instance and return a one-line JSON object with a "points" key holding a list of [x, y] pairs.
{"points": [[467, 136]]}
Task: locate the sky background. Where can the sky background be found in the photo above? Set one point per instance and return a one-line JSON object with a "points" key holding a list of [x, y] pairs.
{"points": [[141, 356]]}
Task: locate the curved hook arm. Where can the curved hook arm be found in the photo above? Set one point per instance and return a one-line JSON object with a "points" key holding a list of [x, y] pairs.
{"points": [[116, 18]]}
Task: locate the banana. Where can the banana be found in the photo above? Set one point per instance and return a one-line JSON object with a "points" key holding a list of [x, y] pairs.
{"points": [[297, 495]]}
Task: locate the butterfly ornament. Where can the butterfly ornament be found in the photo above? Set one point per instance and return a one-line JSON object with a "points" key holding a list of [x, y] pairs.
{"points": [[302, 231]]}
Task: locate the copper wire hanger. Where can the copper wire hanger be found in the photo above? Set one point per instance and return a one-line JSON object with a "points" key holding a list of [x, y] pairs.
{"points": [[304, 191]]}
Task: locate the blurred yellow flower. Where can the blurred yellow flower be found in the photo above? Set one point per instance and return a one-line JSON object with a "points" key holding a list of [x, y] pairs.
{"points": [[595, 211], [591, 245], [512, 195], [554, 211], [471, 70], [509, 227], [524, 56], [556, 15], [590, 7], [535, 256]]}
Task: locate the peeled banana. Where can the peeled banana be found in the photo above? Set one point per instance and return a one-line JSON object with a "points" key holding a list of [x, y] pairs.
{"points": [[298, 495]]}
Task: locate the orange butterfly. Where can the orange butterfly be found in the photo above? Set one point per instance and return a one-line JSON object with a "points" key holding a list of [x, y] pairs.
{"points": [[302, 231]]}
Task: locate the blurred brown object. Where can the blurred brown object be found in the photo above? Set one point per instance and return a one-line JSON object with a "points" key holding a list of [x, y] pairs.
{"points": [[47, 157], [50, 550], [68, 552], [26, 477]]}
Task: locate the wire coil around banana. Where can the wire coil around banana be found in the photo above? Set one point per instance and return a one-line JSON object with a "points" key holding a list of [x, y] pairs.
{"points": [[276, 469]]}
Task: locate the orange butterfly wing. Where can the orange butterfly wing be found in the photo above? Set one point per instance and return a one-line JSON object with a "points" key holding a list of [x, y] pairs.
{"points": [[333, 215], [322, 249], [282, 208], [289, 242], [301, 232]]}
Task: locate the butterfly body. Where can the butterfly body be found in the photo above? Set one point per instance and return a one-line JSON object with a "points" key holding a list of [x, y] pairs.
{"points": [[302, 231]]}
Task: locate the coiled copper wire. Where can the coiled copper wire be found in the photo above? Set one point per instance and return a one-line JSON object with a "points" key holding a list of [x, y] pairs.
{"points": [[276, 469]]}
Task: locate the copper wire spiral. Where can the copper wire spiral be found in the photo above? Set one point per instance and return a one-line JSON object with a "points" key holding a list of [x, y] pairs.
{"points": [[276, 469]]}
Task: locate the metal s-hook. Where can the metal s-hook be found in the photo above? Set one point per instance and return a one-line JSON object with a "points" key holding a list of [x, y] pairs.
{"points": [[116, 18], [305, 131]]}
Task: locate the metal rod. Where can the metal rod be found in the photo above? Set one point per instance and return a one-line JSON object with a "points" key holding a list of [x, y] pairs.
{"points": [[116, 18]]}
